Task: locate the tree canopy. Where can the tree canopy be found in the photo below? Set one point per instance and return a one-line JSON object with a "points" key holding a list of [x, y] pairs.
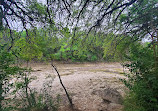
{"points": [[83, 30]]}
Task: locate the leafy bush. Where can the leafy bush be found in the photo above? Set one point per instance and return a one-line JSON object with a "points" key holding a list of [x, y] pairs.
{"points": [[30, 99], [18, 90], [28, 51], [6, 73], [142, 80]]}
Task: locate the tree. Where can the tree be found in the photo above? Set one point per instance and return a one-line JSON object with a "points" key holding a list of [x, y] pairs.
{"points": [[28, 14], [141, 22], [6, 71]]}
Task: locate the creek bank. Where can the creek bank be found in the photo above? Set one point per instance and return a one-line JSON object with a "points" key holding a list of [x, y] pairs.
{"points": [[92, 87]]}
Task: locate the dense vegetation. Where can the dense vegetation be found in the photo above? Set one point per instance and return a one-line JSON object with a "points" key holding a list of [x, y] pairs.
{"points": [[100, 30], [43, 45]]}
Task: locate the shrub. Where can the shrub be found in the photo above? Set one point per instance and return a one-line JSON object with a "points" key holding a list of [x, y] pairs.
{"points": [[7, 71], [142, 80], [31, 99], [24, 98]]}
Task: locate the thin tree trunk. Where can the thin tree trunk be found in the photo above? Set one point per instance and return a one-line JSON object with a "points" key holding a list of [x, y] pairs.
{"points": [[26, 90], [1, 97], [154, 48], [70, 100]]}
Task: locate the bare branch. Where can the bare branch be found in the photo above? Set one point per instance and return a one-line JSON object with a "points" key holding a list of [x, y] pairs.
{"points": [[70, 100]]}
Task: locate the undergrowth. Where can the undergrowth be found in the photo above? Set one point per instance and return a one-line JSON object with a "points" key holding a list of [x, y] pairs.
{"points": [[142, 80]]}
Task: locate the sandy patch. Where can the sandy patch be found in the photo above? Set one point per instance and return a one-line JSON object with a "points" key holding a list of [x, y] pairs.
{"points": [[81, 80]]}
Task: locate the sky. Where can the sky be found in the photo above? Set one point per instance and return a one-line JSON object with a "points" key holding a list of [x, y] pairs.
{"points": [[17, 25]]}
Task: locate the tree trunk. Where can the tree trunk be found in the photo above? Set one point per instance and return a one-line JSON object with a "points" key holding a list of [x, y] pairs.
{"points": [[1, 97], [154, 48], [26, 90], [70, 100]]}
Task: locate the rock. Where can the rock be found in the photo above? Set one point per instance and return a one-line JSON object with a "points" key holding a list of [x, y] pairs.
{"points": [[103, 107], [112, 95], [109, 95], [114, 107]]}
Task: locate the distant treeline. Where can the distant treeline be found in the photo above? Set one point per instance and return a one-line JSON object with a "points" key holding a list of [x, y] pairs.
{"points": [[53, 44]]}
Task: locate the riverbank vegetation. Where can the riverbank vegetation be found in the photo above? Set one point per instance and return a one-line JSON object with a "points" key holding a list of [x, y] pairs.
{"points": [[79, 31]]}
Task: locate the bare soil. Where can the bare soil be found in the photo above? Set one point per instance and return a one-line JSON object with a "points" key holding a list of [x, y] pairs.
{"points": [[82, 81]]}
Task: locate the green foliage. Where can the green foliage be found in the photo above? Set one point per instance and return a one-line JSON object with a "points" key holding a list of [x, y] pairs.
{"points": [[30, 99], [27, 50], [39, 45], [141, 19], [50, 43], [6, 72], [72, 48], [115, 47], [143, 95], [142, 81]]}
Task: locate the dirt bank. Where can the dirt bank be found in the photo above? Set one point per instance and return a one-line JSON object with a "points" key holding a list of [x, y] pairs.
{"points": [[87, 84]]}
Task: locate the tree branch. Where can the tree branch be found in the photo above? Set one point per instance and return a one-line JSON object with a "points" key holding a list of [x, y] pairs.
{"points": [[70, 100]]}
